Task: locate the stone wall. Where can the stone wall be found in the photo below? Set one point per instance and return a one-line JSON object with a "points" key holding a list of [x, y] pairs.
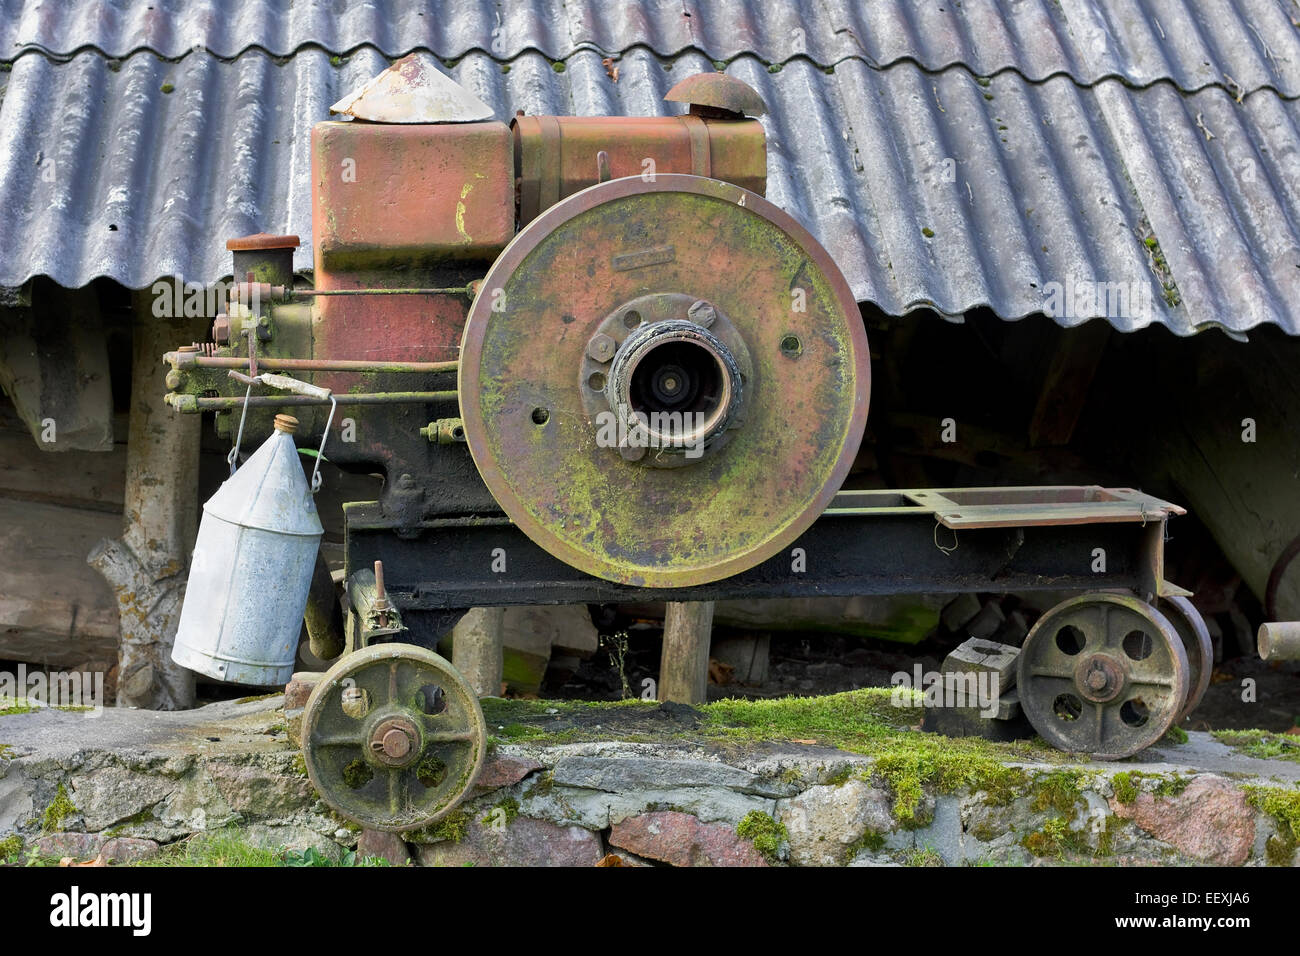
{"points": [[673, 803]]}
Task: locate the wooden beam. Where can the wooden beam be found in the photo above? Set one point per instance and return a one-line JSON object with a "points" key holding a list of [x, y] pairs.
{"points": [[684, 664], [1064, 390], [476, 646]]}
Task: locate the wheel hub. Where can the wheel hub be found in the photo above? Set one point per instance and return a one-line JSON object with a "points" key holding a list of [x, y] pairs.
{"points": [[395, 742], [1100, 678]]}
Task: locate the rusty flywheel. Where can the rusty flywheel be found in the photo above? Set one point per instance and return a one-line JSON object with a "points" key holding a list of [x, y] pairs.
{"points": [[664, 383]]}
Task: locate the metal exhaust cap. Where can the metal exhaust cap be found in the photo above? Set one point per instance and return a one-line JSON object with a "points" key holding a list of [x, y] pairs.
{"points": [[413, 90], [707, 92]]}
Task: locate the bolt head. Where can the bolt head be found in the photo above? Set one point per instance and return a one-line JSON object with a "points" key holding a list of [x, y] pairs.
{"points": [[602, 347], [396, 744], [702, 313]]}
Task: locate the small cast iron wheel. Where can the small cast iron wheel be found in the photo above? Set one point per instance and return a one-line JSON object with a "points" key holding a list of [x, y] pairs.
{"points": [[393, 737], [1103, 674], [1189, 624]]}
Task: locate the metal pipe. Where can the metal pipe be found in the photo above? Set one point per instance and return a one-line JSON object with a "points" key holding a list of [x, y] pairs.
{"points": [[191, 403], [1279, 641], [197, 360], [454, 290]]}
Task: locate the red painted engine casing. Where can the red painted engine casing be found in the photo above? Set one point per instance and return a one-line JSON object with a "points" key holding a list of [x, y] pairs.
{"points": [[420, 206]]}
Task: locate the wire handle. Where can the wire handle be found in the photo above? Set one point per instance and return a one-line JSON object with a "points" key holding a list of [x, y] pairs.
{"points": [[274, 380]]}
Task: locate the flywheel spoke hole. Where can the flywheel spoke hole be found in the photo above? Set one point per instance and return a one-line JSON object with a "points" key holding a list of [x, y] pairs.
{"points": [[1067, 707], [355, 702], [431, 699], [1134, 712], [431, 771], [357, 774], [1138, 645], [541, 416], [1070, 640]]}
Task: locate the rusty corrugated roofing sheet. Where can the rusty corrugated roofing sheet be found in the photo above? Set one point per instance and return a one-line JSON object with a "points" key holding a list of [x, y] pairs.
{"points": [[1240, 44]]}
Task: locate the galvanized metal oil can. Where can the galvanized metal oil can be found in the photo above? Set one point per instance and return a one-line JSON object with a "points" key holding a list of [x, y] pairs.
{"points": [[252, 567]]}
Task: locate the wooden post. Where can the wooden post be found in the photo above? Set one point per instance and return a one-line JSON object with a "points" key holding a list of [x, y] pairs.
{"points": [[684, 665], [148, 566], [476, 649]]}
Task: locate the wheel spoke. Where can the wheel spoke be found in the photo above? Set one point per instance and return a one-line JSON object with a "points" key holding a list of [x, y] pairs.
{"points": [[1166, 682], [1037, 671], [394, 798], [450, 736], [1105, 622], [336, 740]]}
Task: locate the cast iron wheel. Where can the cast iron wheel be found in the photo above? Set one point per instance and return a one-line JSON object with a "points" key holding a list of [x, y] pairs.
{"points": [[1103, 674], [1189, 624], [393, 737], [683, 296]]}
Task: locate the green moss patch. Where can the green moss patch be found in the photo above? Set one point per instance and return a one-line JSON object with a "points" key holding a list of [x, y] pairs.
{"points": [[454, 827], [1125, 786], [357, 774], [1056, 840], [10, 847], [1060, 791], [766, 833], [431, 771], [1129, 783], [864, 721], [58, 810], [1263, 744], [871, 841], [504, 812], [1284, 807], [922, 856]]}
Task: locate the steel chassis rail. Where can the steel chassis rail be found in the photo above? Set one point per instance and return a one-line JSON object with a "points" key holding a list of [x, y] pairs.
{"points": [[1082, 538]]}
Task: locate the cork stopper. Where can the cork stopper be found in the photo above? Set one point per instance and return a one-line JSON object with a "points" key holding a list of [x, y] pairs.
{"points": [[286, 423]]}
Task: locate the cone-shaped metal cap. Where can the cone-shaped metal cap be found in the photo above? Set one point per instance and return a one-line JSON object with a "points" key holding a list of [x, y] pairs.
{"points": [[720, 92], [413, 90], [269, 491]]}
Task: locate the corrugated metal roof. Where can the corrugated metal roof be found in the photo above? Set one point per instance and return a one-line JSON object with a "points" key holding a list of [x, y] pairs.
{"points": [[930, 190], [1239, 44]]}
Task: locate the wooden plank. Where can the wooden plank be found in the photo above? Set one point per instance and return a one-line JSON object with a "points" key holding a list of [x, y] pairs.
{"points": [[54, 608], [84, 479]]}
